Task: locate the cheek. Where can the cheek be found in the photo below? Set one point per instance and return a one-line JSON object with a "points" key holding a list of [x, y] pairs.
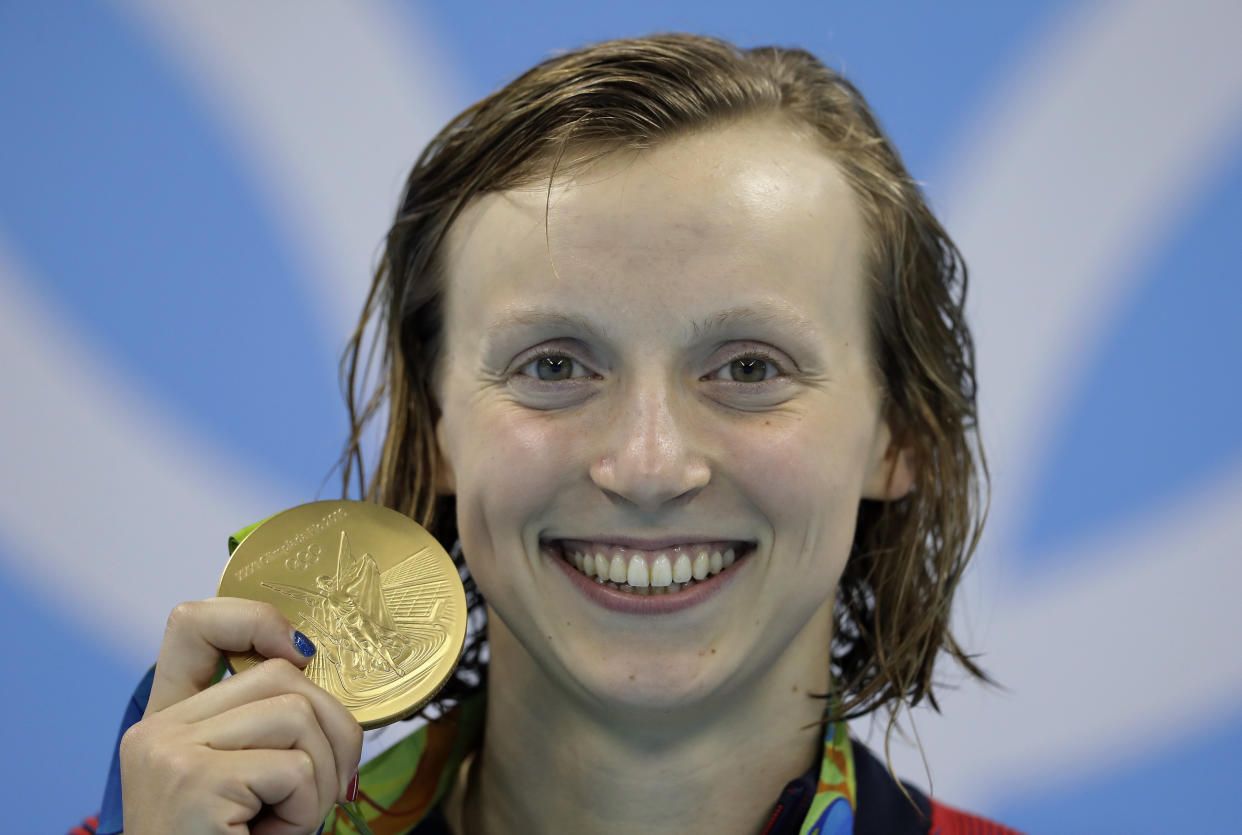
{"points": [[805, 475], [509, 463], [523, 447], [513, 467]]}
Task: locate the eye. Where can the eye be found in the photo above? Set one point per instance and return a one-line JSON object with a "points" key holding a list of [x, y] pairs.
{"points": [[552, 368], [748, 369]]}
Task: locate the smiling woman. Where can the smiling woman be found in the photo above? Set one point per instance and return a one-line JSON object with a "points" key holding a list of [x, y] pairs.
{"points": [[673, 349], [660, 445]]}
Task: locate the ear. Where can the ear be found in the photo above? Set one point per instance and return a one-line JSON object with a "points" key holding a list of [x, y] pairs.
{"points": [[891, 473], [446, 479]]}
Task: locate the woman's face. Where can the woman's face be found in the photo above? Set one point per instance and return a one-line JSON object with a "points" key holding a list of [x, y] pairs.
{"points": [[675, 367]]}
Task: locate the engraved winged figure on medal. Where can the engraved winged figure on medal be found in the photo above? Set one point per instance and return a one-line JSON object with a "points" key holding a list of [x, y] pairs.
{"points": [[375, 630]]}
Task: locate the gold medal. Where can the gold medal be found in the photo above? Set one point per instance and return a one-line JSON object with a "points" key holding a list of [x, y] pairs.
{"points": [[380, 598]]}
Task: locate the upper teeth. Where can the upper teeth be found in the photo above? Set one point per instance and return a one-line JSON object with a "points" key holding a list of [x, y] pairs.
{"points": [[676, 565]]}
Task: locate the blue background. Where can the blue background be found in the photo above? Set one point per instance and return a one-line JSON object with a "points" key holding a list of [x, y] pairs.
{"points": [[132, 210]]}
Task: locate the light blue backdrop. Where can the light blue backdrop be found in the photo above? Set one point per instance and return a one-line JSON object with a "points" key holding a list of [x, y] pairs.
{"points": [[192, 195]]}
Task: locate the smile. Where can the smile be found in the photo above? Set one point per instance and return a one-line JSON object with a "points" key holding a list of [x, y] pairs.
{"points": [[657, 571]]}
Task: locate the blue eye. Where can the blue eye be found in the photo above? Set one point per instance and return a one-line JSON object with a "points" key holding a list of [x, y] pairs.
{"points": [[748, 369], [552, 368]]}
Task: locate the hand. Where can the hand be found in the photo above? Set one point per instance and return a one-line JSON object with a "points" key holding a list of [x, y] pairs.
{"points": [[266, 751]]}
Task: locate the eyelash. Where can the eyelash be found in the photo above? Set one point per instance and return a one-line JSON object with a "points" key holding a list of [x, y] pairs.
{"points": [[558, 353], [545, 353], [751, 354]]}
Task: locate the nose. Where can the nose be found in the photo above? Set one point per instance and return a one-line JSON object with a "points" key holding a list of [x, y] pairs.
{"points": [[650, 456]]}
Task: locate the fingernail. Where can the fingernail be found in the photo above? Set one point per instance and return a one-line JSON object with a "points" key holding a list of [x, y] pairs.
{"points": [[351, 793], [303, 644]]}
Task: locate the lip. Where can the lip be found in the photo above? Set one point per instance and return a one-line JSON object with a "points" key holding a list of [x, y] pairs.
{"points": [[649, 544], [636, 604]]}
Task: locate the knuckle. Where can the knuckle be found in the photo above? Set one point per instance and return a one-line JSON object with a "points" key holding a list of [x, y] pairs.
{"points": [[134, 742], [181, 614], [279, 668], [142, 747], [296, 705], [234, 787], [355, 738], [178, 762], [266, 616], [303, 766]]}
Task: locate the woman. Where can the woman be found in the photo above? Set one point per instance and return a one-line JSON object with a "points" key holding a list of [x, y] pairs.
{"points": [[674, 348]]}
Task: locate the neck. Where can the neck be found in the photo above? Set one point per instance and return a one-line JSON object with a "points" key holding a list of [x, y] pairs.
{"points": [[549, 764]]}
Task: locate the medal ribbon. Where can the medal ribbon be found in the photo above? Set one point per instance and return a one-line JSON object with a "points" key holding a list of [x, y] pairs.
{"points": [[832, 808]]}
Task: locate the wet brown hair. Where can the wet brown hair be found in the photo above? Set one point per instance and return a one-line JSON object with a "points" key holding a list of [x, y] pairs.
{"points": [[893, 599]]}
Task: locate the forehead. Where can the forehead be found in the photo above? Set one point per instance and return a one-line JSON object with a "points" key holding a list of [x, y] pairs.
{"points": [[754, 211]]}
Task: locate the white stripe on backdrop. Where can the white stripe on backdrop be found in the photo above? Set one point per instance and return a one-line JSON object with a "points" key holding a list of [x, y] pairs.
{"points": [[126, 510], [329, 106], [1110, 130], [1101, 137], [329, 165]]}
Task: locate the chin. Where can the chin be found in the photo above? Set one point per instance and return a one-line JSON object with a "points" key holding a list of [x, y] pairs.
{"points": [[648, 682]]}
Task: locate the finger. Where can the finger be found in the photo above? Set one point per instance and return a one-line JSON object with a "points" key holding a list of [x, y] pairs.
{"points": [[280, 722], [282, 780], [269, 824], [274, 678], [198, 632]]}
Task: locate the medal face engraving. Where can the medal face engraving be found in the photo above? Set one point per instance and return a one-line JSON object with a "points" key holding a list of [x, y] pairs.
{"points": [[380, 598]]}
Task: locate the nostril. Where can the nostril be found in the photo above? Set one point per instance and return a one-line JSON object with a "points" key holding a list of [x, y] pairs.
{"points": [[650, 487]]}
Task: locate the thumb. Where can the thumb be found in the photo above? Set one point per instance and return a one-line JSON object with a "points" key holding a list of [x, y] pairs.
{"points": [[198, 632]]}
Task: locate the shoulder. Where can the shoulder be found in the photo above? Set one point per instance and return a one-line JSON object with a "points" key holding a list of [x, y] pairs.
{"points": [[884, 808], [111, 812], [945, 820]]}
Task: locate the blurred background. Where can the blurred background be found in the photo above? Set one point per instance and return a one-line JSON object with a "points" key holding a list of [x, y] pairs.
{"points": [[192, 196]]}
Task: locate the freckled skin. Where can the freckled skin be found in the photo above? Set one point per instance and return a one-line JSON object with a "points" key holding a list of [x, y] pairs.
{"points": [[651, 435]]}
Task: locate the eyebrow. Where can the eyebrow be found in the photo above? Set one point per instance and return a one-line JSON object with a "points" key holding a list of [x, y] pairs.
{"points": [[762, 313], [537, 317], [768, 314]]}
